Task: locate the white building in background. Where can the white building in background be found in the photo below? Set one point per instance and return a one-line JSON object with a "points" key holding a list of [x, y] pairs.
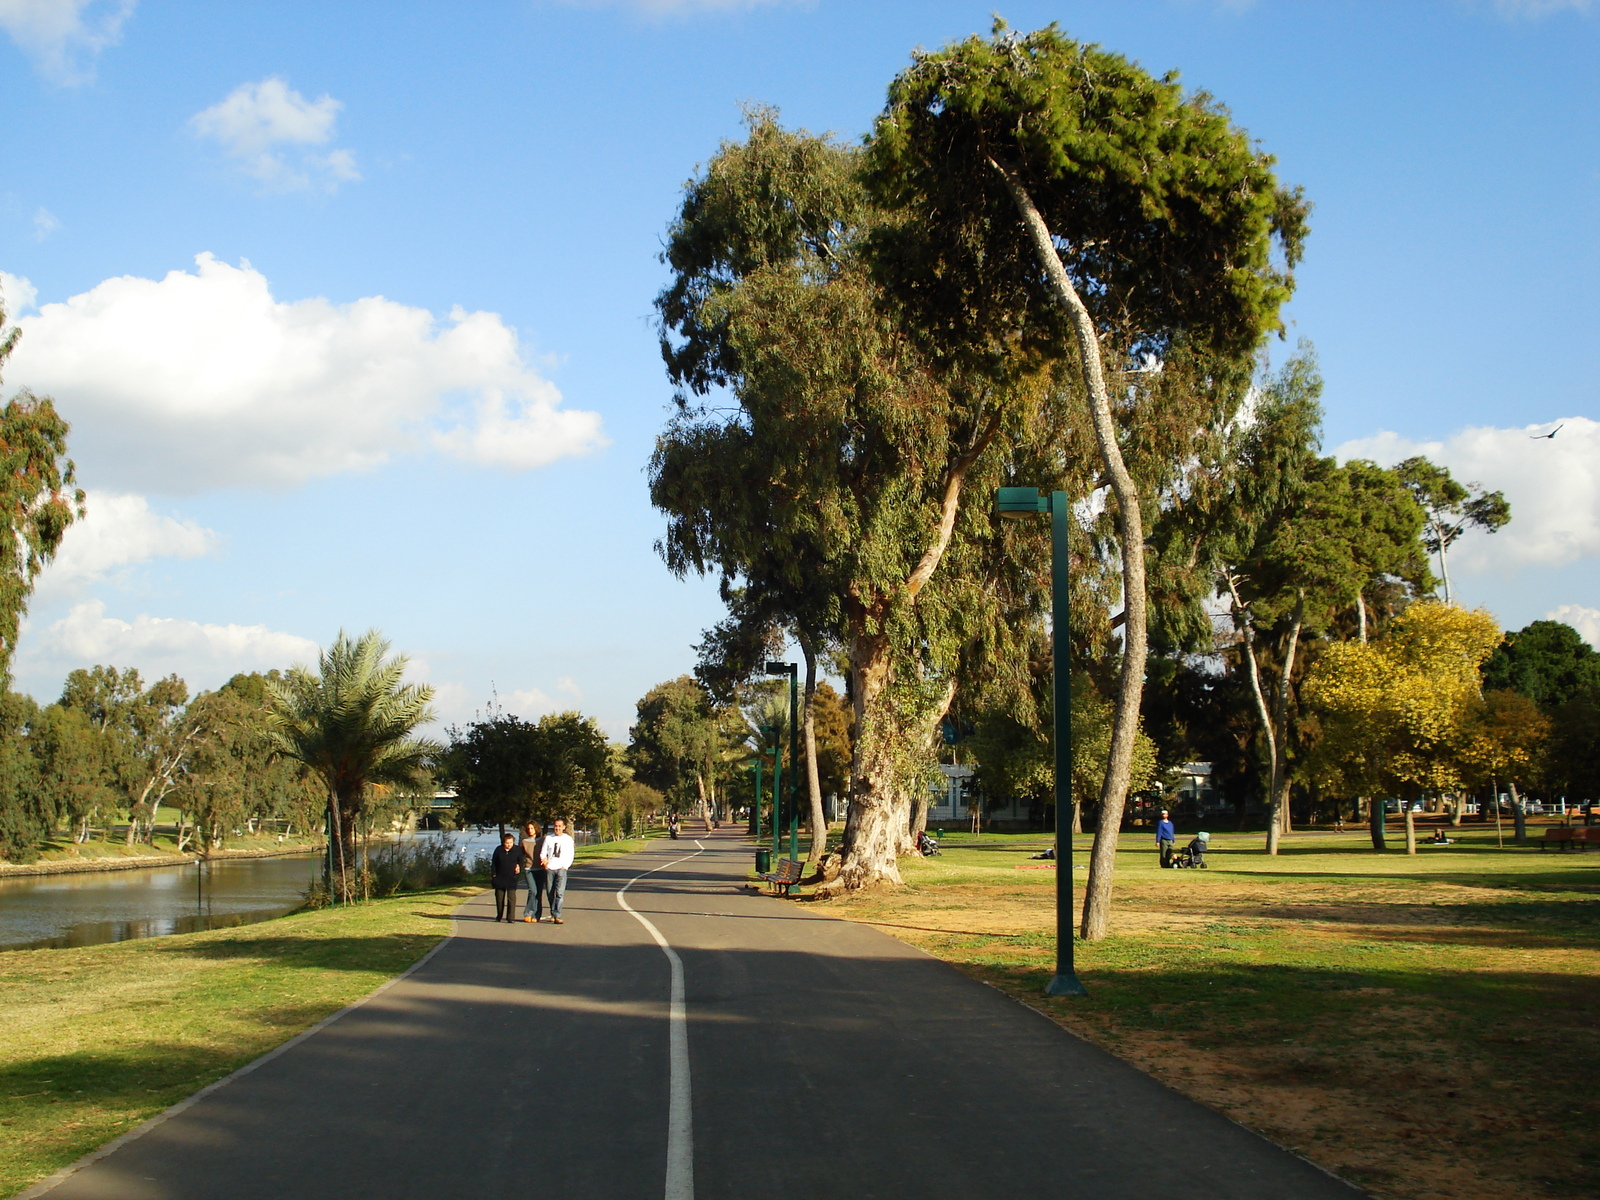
{"points": [[948, 804]]}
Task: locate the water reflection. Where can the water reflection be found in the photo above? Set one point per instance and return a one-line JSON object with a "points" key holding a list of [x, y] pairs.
{"points": [[85, 909]]}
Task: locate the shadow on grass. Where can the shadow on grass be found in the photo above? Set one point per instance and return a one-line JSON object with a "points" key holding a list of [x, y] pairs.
{"points": [[379, 952]]}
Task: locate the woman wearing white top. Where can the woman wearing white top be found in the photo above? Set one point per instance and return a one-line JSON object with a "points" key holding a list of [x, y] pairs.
{"points": [[555, 857]]}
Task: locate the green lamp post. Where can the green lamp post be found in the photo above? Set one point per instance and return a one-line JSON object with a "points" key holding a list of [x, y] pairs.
{"points": [[792, 670], [1025, 502], [777, 788]]}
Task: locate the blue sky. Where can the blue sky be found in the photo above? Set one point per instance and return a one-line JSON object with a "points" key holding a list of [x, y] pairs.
{"points": [[414, 382]]}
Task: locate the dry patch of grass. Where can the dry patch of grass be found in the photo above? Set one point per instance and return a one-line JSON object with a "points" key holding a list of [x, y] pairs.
{"points": [[1424, 1026], [96, 1040]]}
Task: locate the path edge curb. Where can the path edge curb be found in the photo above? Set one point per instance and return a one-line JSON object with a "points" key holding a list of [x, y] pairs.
{"points": [[50, 1182]]}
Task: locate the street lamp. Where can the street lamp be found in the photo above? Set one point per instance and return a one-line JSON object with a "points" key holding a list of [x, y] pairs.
{"points": [[763, 732], [792, 670], [1025, 502]]}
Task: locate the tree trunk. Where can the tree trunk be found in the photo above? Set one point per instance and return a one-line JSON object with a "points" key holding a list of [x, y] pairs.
{"points": [[1518, 817], [1278, 818], [819, 819], [1376, 821], [1361, 617], [918, 823], [1243, 622], [1411, 825], [1130, 529], [872, 836]]}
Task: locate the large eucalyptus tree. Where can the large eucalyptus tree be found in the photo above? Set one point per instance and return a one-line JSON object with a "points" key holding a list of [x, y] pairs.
{"points": [[1054, 198], [820, 459]]}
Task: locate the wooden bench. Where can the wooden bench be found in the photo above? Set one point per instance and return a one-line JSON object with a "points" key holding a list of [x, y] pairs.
{"points": [[1561, 836], [785, 877]]}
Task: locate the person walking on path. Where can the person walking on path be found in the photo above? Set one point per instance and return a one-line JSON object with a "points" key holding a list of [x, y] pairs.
{"points": [[532, 839], [506, 866], [1166, 838], [555, 857]]}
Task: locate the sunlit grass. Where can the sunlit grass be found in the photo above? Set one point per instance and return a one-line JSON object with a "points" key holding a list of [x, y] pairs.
{"points": [[1425, 1025]]}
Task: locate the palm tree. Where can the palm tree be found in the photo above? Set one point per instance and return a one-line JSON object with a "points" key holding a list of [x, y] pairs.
{"points": [[353, 725]]}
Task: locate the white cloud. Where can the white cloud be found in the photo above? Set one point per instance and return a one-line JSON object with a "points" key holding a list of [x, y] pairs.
{"points": [[44, 224], [64, 36], [204, 380], [267, 127], [1553, 485], [203, 655], [17, 295], [1585, 620], [532, 703], [120, 531]]}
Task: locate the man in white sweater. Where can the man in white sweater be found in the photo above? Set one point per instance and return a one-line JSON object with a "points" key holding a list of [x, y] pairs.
{"points": [[555, 858]]}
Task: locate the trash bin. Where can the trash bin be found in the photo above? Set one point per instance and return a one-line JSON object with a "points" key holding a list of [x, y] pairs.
{"points": [[763, 861]]}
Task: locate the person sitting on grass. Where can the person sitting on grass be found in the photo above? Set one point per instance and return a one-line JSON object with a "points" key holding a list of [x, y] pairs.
{"points": [[506, 866]]}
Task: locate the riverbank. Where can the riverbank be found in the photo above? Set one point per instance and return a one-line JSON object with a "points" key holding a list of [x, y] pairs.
{"points": [[1422, 1025], [100, 1038], [117, 857]]}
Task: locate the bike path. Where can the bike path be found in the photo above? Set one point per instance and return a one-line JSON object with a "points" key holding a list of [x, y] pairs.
{"points": [[823, 1057]]}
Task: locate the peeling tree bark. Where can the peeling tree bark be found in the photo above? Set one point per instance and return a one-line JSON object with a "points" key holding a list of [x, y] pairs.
{"points": [[879, 800], [1130, 527]]}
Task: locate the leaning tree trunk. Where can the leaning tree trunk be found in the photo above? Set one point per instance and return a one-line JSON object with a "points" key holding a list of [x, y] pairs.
{"points": [[1411, 825], [1518, 817], [808, 731], [1278, 818], [1130, 530]]}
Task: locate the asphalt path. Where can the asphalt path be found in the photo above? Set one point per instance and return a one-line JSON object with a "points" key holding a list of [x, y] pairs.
{"points": [[681, 1037]]}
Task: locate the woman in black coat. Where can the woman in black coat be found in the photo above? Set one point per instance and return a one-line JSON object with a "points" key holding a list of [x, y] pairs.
{"points": [[506, 865]]}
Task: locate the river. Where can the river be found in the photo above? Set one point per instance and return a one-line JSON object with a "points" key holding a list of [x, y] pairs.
{"points": [[90, 907]]}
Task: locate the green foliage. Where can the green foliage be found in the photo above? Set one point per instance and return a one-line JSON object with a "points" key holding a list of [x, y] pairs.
{"points": [[1017, 759], [507, 771], [682, 744], [353, 725], [1165, 214], [27, 811], [1547, 661], [37, 494]]}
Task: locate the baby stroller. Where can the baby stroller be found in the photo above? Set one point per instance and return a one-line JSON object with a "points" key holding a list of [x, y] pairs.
{"points": [[1194, 854], [926, 844]]}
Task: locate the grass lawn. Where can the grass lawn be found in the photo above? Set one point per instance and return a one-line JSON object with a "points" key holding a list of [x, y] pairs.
{"points": [[1424, 1026], [96, 1040]]}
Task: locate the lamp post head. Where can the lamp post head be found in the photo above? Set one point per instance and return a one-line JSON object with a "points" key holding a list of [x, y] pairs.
{"points": [[1020, 502]]}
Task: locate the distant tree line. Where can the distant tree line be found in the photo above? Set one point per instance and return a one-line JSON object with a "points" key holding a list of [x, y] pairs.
{"points": [[113, 750]]}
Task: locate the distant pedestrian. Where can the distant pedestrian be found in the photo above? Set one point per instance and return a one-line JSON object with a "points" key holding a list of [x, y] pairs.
{"points": [[1166, 838], [556, 857], [532, 843], [506, 865]]}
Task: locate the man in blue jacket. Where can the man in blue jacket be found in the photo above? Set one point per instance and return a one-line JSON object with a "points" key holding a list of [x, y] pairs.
{"points": [[1166, 838]]}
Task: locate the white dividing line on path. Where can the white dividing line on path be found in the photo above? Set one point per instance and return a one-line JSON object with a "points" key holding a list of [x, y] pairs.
{"points": [[680, 1116]]}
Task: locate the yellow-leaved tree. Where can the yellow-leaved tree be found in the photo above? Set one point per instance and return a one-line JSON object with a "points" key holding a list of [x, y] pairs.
{"points": [[1398, 715]]}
